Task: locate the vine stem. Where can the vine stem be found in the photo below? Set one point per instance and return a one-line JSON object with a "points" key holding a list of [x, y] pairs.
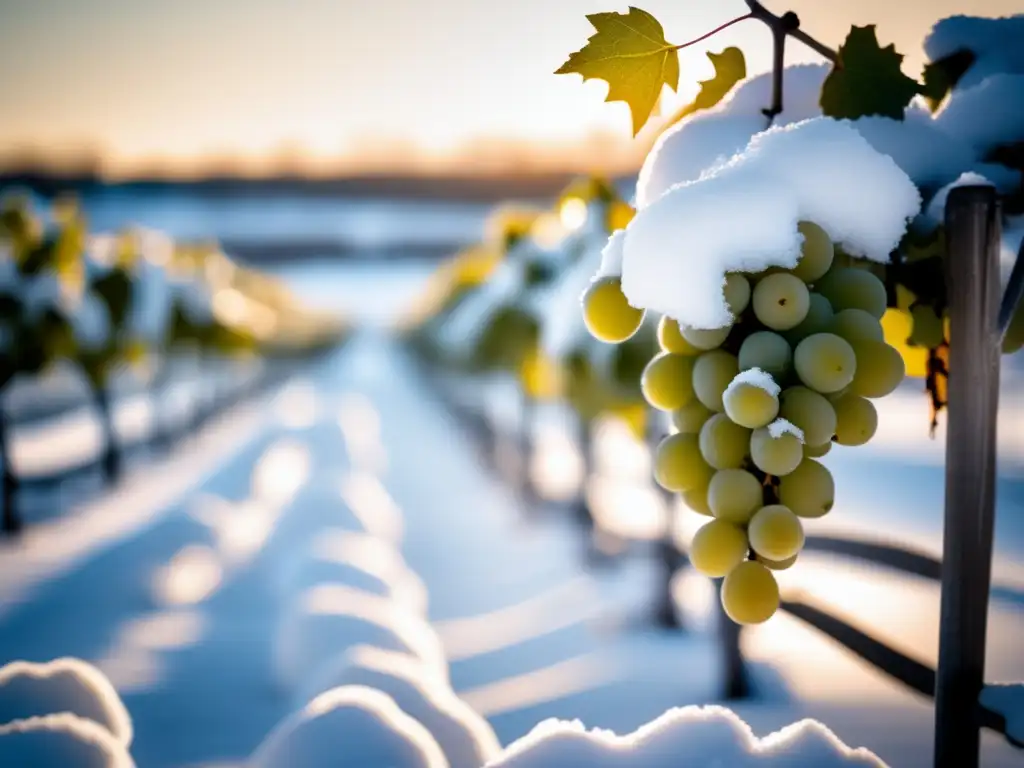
{"points": [[714, 31]]}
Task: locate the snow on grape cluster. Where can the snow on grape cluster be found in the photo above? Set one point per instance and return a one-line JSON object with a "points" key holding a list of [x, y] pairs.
{"points": [[770, 335]]}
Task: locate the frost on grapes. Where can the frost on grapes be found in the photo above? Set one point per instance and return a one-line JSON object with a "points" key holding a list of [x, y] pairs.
{"points": [[757, 378], [743, 215], [780, 427]]}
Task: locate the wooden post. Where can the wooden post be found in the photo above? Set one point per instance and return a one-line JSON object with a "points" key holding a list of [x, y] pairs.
{"points": [[972, 276]]}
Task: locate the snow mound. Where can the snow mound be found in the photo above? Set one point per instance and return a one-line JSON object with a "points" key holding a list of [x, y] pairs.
{"points": [[466, 738], [936, 210], [995, 44], [349, 727], [698, 736], [781, 427], [68, 685], [357, 560], [757, 378], [1007, 699], [743, 216], [1000, 99], [61, 740], [611, 255], [331, 618]]}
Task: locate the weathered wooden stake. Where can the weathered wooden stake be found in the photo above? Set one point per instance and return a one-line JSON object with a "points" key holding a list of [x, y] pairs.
{"points": [[972, 276]]}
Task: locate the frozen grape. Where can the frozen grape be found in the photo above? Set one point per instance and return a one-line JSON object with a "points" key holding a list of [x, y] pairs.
{"points": [[607, 313], [809, 411], [817, 451], [679, 465], [750, 594], [697, 499], [712, 373], [856, 420], [781, 301], [775, 532], [734, 495], [724, 444], [717, 547], [856, 325], [768, 351], [825, 362], [705, 339], [926, 328], [691, 417], [749, 405], [816, 254], [852, 288], [737, 293], [667, 381], [880, 369], [773, 455], [777, 565], [670, 338], [819, 316], [808, 490]]}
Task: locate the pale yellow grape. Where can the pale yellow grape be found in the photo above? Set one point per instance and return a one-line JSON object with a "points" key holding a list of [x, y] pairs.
{"points": [[880, 369], [773, 455], [811, 412], [856, 420], [851, 288], [808, 490], [777, 565], [724, 444], [750, 405], [679, 465], [816, 253], [817, 451], [825, 362], [712, 373], [819, 316], [775, 532], [768, 351], [717, 547], [856, 325], [705, 339], [667, 381], [750, 594], [670, 338], [737, 293], [691, 417], [781, 301], [734, 495], [926, 328], [606, 312], [697, 500]]}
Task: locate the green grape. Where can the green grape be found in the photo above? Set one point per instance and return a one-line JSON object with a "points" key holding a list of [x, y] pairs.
{"points": [[712, 373], [749, 405], [852, 288], [775, 532], [819, 316], [724, 444], [817, 451], [706, 339], [691, 417], [768, 351], [812, 413], [670, 338], [776, 565], [717, 547], [750, 594], [667, 381], [734, 495], [781, 301], [697, 499], [856, 420], [773, 455], [737, 293], [926, 328], [816, 253], [856, 325], [607, 313], [880, 369], [825, 362], [678, 464], [808, 490]]}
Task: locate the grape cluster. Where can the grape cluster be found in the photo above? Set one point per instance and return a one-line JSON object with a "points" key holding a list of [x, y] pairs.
{"points": [[756, 404]]}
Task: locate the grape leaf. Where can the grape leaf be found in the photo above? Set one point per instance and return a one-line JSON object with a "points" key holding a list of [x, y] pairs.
{"points": [[943, 74], [630, 53], [730, 67], [867, 80]]}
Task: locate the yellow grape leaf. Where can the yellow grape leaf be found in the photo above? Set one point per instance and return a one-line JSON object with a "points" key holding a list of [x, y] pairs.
{"points": [[896, 325], [630, 53], [730, 68], [619, 215], [540, 376]]}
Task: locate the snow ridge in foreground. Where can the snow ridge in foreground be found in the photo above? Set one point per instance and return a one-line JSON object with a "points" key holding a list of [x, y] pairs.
{"points": [[61, 740]]}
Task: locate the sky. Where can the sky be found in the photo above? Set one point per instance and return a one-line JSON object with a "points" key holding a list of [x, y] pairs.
{"points": [[362, 83]]}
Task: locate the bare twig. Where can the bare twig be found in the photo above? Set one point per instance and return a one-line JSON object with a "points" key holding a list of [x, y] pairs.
{"points": [[714, 31]]}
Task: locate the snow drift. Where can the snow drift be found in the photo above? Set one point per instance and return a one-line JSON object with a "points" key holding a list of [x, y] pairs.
{"points": [[63, 740]]}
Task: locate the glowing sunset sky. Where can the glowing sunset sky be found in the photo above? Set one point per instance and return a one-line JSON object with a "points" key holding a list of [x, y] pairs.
{"points": [[180, 79]]}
